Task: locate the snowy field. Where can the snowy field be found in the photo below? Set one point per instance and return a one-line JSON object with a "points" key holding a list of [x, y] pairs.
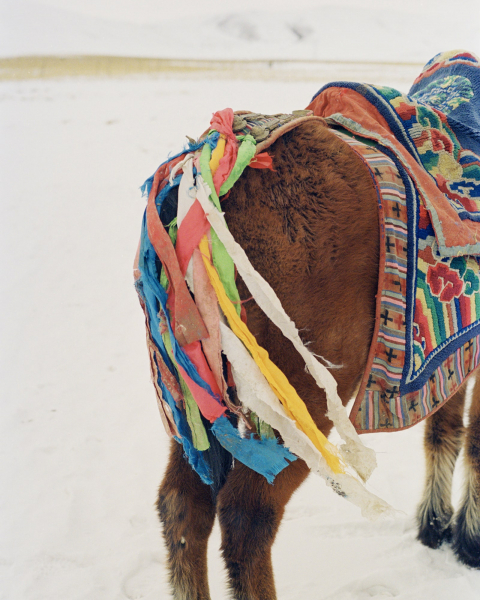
{"points": [[82, 445]]}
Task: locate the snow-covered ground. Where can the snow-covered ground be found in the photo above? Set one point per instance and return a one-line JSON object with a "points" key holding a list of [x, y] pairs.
{"points": [[82, 446]]}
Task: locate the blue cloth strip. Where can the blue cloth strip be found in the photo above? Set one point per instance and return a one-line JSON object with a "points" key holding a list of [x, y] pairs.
{"points": [[265, 456]]}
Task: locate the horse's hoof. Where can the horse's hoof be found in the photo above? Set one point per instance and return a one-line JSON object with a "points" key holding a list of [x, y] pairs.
{"points": [[468, 552], [466, 541], [434, 537], [433, 530]]}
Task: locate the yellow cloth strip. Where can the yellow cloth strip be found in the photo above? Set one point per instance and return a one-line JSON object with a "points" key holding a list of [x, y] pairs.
{"points": [[217, 154], [291, 401]]}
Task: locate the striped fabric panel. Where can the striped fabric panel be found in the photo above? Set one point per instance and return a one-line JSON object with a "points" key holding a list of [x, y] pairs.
{"points": [[380, 405]]}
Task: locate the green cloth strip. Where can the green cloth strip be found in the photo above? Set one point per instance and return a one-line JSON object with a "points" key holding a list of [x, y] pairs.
{"points": [[199, 434], [172, 232], [221, 259], [246, 152], [263, 429]]}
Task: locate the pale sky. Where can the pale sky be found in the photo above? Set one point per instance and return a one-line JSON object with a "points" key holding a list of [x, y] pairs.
{"points": [[144, 11], [359, 30]]}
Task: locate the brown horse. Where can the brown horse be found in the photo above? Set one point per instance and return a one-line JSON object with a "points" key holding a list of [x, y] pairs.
{"points": [[311, 230]]}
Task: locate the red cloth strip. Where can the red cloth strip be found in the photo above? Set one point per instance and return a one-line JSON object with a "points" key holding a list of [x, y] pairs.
{"points": [[262, 161], [195, 354], [209, 408], [188, 324], [194, 226]]}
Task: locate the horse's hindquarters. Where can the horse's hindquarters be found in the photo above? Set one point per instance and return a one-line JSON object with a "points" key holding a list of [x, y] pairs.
{"points": [[311, 230]]}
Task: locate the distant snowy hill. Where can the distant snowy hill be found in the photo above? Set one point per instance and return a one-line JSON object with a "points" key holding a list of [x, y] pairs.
{"points": [[340, 32]]}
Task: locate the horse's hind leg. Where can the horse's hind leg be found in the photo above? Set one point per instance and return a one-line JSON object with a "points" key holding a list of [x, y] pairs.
{"points": [[250, 511], [443, 441], [467, 528], [187, 512]]}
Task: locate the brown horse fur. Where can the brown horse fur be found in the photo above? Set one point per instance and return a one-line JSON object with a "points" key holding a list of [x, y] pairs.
{"points": [[311, 229]]}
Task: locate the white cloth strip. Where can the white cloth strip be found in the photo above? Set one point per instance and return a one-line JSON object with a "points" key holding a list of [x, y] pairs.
{"points": [[186, 190], [255, 393], [187, 193], [177, 167]]}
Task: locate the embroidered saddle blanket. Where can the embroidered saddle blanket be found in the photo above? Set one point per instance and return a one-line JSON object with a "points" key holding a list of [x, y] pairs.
{"points": [[425, 164]]}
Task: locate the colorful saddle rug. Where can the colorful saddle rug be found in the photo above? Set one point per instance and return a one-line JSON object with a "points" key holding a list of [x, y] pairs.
{"points": [[423, 154]]}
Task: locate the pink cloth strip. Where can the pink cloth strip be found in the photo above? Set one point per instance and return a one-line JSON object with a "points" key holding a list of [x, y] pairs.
{"points": [[222, 121]]}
